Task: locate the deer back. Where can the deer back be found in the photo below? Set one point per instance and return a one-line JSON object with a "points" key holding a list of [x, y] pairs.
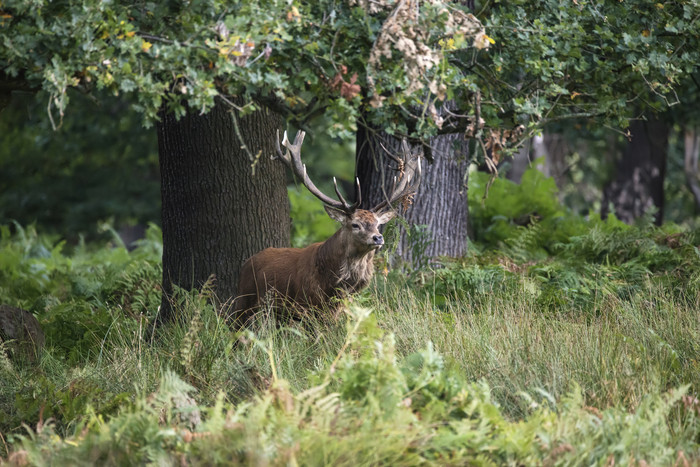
{"points": [[284, 272]]}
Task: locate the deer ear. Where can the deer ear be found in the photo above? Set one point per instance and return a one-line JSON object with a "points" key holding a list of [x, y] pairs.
{"points": [[386, 216], [336, 214]]}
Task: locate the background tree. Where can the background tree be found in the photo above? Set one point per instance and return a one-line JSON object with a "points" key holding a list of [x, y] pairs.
{"points": [[439, 214], [643, 170], [691, 153], [603, 65], [638, 187], [684, 148]]}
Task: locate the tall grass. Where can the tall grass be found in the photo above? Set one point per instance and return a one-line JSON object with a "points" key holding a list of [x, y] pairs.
{"points": [[477, 363], [373, 399], [631, 348]]}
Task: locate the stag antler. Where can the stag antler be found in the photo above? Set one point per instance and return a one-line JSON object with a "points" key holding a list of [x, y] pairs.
{"points": [[292, 158], [410, 173]]}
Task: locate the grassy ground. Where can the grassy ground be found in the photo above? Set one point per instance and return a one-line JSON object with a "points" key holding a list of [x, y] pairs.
{"points": [[489, 361], [627, 349]]}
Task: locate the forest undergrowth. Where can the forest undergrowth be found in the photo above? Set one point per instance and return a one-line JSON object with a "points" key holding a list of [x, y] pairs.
{"points": [[557, 341]]}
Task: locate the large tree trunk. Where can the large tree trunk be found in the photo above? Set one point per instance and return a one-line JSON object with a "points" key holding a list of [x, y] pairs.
{"points": [[216, 210], [441, 201], [639, 181]]}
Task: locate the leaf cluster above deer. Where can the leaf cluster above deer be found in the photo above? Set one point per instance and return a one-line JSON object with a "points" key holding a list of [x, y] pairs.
{"points": [[312, 277]]}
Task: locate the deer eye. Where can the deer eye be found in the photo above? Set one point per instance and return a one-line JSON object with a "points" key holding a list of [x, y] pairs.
{"points": [[355, 226]]}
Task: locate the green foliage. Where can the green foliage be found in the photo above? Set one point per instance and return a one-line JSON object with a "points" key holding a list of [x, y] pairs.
{"points": [[43, 399], [500, 208], [581, 58], [310, 222], [347, 59], [302, 58], [419, 238], [473, 281], [71, 295], [571, 261], [372, 408], [470, 365], [101, 165]]}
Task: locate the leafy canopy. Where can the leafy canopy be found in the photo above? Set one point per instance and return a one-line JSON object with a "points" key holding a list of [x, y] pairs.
{"points": [[391, 63], [301, 59], [555, 59]]}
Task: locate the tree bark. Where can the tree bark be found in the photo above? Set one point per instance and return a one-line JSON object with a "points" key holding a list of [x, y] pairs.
{"points": [[218, 207], [691, 140], [4, 100], [639, 181], [440, 203], [519, 163]]}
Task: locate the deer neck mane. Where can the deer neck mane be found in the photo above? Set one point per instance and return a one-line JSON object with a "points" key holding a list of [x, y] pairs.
{"points": [[348, 268]]}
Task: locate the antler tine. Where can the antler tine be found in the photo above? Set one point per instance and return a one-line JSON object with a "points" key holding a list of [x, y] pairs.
{"points": [[292, 159], [280, 154], [349, 207], [346, 205]]}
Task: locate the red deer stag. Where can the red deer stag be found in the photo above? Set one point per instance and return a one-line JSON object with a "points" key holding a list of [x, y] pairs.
{"points": [[312, 277]]}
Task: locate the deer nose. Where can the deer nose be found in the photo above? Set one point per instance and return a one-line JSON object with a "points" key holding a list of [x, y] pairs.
{"points": [[378, 240]]}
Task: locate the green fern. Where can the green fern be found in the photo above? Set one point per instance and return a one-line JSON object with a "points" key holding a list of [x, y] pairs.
{"points": [[525, 245]]}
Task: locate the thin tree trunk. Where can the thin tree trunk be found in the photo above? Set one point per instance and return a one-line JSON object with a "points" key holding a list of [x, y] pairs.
{"points": [[217, 210], [440, 203], [519, 163], [692, 151], [639, 181], [4, 100], [553, 148]]}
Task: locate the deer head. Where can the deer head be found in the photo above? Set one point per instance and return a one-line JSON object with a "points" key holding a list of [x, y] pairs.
{"points": [[360, 227]]}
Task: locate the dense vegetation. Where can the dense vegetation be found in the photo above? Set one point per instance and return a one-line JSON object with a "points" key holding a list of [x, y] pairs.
{"points": [[109, 155], [560, 340]]}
